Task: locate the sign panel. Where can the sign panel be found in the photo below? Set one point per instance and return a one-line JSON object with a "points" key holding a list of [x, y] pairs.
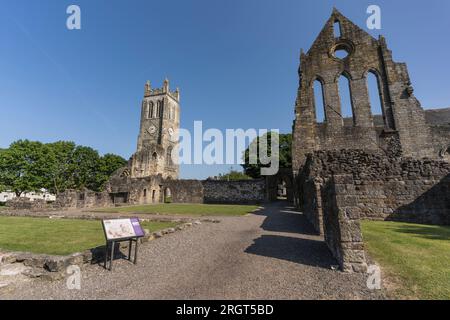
{"points": [[116, 229]]}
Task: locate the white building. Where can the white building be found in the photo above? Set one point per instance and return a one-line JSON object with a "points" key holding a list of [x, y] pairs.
{"points": [[43, 194]]}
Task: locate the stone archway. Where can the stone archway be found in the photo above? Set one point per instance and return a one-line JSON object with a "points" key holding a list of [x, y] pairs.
{"points": [[280, 186], [167, 195]]}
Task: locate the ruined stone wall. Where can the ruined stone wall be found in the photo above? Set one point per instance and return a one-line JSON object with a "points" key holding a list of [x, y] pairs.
{"points": [[244, 191], [185, 191], [20, 203], [124, 190], [387, 188], [342, 228], [410, 198], [71, 199], [402, 129], [441, 141]]}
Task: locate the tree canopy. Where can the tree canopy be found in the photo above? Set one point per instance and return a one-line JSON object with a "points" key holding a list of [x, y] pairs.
{"points": [[30, 166], [233, 175], [285, 154]]}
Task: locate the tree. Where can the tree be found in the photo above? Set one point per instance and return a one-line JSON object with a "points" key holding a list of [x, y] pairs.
{"points": [[107, 165], [233, 175], [60, 159], [23, 166], [30, 166], [285, 154], [83, 168]]}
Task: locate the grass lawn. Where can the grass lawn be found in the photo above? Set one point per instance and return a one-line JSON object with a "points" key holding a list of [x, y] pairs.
{"points": [[416, 257], [57, 236], [186, 209]]}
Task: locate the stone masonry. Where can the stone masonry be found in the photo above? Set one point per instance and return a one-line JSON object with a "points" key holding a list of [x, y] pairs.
{"points": [[392, 166]]}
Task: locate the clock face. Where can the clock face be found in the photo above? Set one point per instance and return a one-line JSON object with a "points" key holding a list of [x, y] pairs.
{"points": [[170, 131], [152, 130]]}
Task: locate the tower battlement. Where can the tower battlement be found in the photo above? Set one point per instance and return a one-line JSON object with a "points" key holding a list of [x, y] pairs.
{"points": [[150, 92]]}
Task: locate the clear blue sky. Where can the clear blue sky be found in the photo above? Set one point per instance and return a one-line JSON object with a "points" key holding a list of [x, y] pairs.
{"points": [[235, 62]]}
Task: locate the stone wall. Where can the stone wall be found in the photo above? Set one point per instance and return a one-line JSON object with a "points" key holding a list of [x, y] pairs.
{"points": [[185, 191], [387, 188], [244, 191], [82, 199], [424, 199], [27, 204], [342, 229], [155, 189], [402, 128]]}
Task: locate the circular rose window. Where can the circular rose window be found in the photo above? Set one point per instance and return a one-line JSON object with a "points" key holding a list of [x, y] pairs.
{"points": [[341, 50]]}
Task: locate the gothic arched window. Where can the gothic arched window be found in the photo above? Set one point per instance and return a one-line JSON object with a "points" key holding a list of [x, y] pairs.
{"points": [[345, 95], [150, 110], [319, 101], [375, 97], [169, 161]]}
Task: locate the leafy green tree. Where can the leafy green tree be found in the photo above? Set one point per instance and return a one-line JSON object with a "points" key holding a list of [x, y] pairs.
{"points": [[29, 166], [285, 154], [106, 166], [23, 166], [83, 168], [60, 160]]}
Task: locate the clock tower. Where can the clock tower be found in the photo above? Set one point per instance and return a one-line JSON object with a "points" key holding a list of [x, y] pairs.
{"points": [[157, 141]]}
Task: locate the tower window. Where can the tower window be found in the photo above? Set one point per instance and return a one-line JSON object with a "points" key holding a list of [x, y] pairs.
{"points": [[150, 110], [319, 101], [169, 161], [158, 109], [345, 96], [337, 29], [374, 93]]}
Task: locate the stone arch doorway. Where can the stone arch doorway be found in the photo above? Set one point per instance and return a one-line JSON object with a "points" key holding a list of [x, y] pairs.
{"points": [[167, 195], [280, 186], [281, 189]]}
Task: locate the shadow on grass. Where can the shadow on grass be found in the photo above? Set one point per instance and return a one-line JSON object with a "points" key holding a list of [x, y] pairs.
{"points": [[425, 231]]}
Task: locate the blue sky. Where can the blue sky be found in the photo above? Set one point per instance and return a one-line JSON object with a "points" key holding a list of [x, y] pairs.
{"points": [[234, 61]]}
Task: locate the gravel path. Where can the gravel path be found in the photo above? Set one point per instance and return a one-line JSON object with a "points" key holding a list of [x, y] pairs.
{"points": [[269, 255]]}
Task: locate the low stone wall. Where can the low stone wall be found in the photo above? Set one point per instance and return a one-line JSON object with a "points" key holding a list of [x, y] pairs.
{"points": [[185, 191], [27, 204], [156, 190], [342, 229], [50, 267], [337, 188], [388, 188], [82, 199], [244, 191], [423, 200]]}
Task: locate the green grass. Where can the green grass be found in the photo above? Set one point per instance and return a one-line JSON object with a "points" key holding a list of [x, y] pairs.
{"points": [[416, 257], [57, 236], [186, 209]]}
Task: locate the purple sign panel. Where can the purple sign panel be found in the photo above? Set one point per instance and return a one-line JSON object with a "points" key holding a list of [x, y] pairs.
{"points": [[139, 232]]}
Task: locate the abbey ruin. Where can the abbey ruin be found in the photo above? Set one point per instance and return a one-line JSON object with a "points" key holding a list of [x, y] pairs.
{"points": [[388, 166]]}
